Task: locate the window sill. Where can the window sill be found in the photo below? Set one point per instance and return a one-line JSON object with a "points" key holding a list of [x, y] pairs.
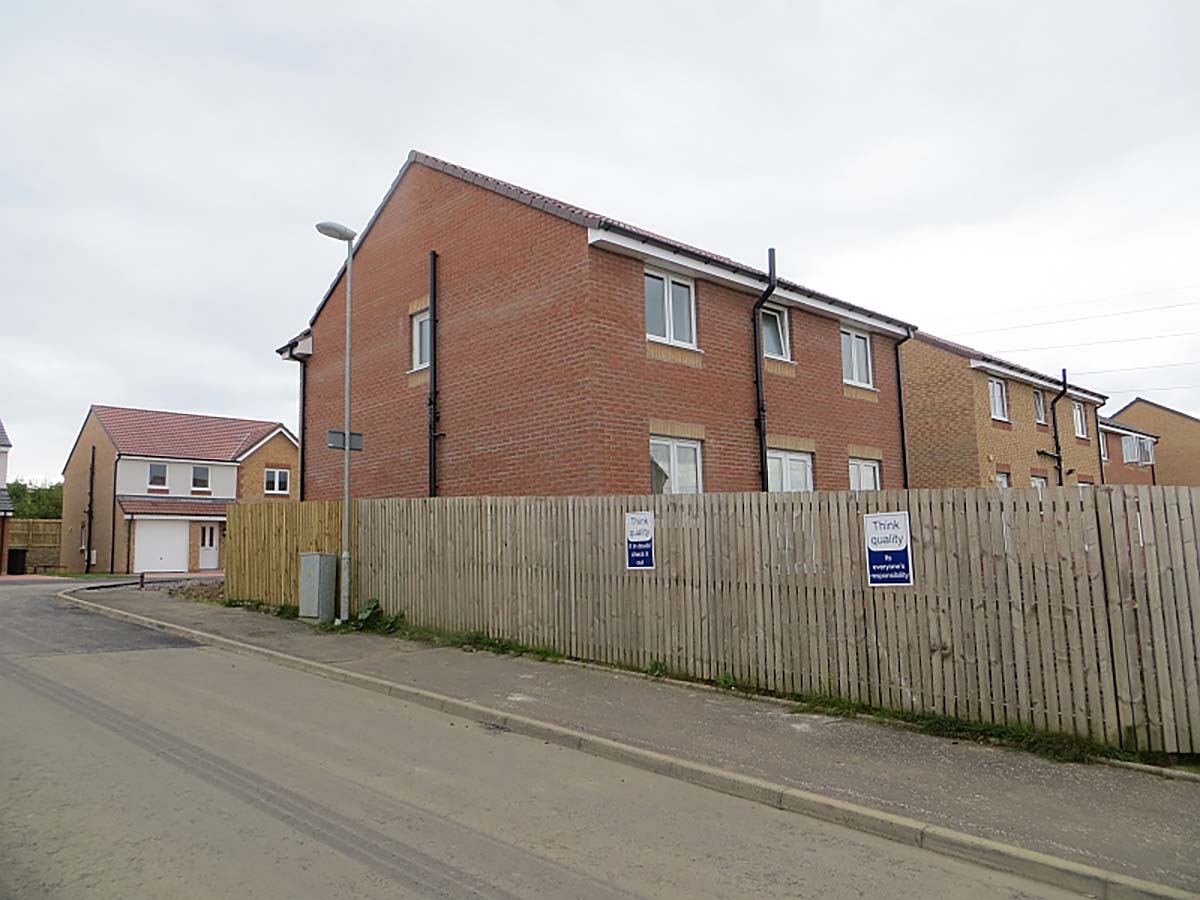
{"points": [[158, 490], [418, 377], [277, 493], [860, 385], [1002, 424], [854, 392], [784, 368], [201, 492], [655, 339], [1043, 426], [415, 369], [674, 353], [1083, 441]]}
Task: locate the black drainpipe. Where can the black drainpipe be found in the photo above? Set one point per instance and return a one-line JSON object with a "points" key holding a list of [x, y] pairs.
{"points": [[112, 544], [1058, 454], [760, 421], [908, 333], [433, 369], [87, 547]]}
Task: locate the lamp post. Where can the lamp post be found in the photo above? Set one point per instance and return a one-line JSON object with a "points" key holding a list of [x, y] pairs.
{"points": [[342, 233]]}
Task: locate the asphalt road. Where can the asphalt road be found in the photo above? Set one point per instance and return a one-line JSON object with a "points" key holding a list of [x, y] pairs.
{"points": [[135, 764]]}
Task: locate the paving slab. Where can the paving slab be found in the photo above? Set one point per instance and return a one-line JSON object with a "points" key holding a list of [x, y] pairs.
{"points": [[1129, 822]]}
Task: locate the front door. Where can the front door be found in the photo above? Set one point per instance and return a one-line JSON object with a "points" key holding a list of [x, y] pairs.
{"points": [[210, 554]]}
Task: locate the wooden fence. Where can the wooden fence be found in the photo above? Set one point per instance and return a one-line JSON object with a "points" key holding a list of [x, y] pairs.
{"points": [[263, 543], [40, 534], [1076, 612]]}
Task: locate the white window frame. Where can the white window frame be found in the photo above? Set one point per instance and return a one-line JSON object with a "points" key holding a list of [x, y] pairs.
{"points": [[1080, 413], [416, 320], [207, 486], [673, 445], [1039, 406], [150, 475], [857, 333], [786, 457], [1039, 483], [668, 300], [866, 464], [1146, 451], [267, 473], [781, 315], [1103, 438], [1006, 478], [1004, 412], [1128, 441]]}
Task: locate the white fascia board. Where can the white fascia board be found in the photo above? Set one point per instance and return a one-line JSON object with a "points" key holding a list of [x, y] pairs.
{"points": [[279, 430], [685, 265], [179, 459], [1047, 383], [158, 517], [1117, 429]]}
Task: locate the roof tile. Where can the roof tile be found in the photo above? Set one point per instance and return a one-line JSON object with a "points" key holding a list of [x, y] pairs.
{"points": [[145, 432]]}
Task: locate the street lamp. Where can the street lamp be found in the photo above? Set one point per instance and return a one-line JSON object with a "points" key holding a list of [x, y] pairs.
{"points": [[342, 233]]}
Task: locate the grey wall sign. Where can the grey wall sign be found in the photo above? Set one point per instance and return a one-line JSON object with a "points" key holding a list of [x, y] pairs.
{"points": [[335, 441]]}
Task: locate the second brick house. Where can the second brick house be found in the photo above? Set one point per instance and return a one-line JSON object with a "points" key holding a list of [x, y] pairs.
{"points": [[1177, 451], [974, 420], [575, 354]]}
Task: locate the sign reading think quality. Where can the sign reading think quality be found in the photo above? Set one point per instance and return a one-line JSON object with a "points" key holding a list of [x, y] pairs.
{"points": [[889, 562], [639, 540]]}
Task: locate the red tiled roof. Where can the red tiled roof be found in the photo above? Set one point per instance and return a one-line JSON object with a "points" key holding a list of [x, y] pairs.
{"points": [[172, 506], [145, 432]]}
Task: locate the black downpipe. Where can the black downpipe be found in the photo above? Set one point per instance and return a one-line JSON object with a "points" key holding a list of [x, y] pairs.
{"points": [[1101, 445], [433, 374], [87, 547], [760, 420], [1058, 454], [303, 421], [112, 531], [900, 390]]}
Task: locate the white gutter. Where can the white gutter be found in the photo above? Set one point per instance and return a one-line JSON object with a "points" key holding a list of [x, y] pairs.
{"points": [[1018, 375]]}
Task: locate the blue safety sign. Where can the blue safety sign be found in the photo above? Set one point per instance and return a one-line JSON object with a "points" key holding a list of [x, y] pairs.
{"points": [[889, 558], [639, 540]]}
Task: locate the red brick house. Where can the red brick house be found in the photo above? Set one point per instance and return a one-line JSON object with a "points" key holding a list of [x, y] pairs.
{"points": [[1127, 454], [575, 354]]}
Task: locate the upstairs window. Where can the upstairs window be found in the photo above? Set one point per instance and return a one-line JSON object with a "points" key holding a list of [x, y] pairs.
{"points": [[1003, 480], [1147, 451], [856, 359], [789, 471], [775, 341], [1040, 483], [864, 475], [1129, 449], [276, 481], [1103, 447], [675, 466], [1081, 425], [158, 475], [200, 478], [670, 309], [420, 340], [1137, 450], [998, 398], [1039, 407]]}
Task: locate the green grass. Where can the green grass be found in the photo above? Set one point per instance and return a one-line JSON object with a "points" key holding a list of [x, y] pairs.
{"points": [[372, 619], [1049, 744]]}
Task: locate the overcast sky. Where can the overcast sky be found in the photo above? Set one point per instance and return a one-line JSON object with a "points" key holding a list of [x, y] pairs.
{"points": [[965, 166]]}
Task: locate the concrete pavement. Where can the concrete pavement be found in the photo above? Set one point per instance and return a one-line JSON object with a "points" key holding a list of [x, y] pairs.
{"points": [[137, 764]]}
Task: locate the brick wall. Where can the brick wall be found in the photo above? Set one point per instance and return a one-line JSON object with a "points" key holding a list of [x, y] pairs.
{"points": [[1177, 454], [954, 442], [1116, 470], [547, 384], [277, 453], [75, 498]]}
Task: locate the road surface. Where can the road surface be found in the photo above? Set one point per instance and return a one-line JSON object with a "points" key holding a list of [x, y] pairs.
{"points": [[136, 764]]}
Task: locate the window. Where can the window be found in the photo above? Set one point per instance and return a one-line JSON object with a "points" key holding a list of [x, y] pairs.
{"points": [[1137, 450], [420, 340], [670, 311], [1003, 480], [998, 397], [775, 334], [1039, 407], [675, 466], [1040, 482], [1081, 429], [276, 481], [864, 475], [158, 475], [200, 478], [789, 471], [856, 359], [1103, 447]]}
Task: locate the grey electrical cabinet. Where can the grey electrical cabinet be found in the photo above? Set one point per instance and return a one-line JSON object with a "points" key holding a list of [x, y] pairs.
{"points": [[318, 586]]}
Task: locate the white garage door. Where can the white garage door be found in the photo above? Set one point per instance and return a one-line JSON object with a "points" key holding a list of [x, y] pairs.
{"points": [[160, 546]]}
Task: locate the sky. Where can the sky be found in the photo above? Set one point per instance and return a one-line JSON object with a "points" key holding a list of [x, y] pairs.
{"points": [[979, 169]]}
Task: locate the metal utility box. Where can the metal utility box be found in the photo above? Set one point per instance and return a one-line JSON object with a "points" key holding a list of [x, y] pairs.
{"points": [[318, 586]]}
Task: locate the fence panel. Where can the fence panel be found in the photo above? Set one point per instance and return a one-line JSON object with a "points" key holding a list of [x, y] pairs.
{"points": [[1076, 611]]}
